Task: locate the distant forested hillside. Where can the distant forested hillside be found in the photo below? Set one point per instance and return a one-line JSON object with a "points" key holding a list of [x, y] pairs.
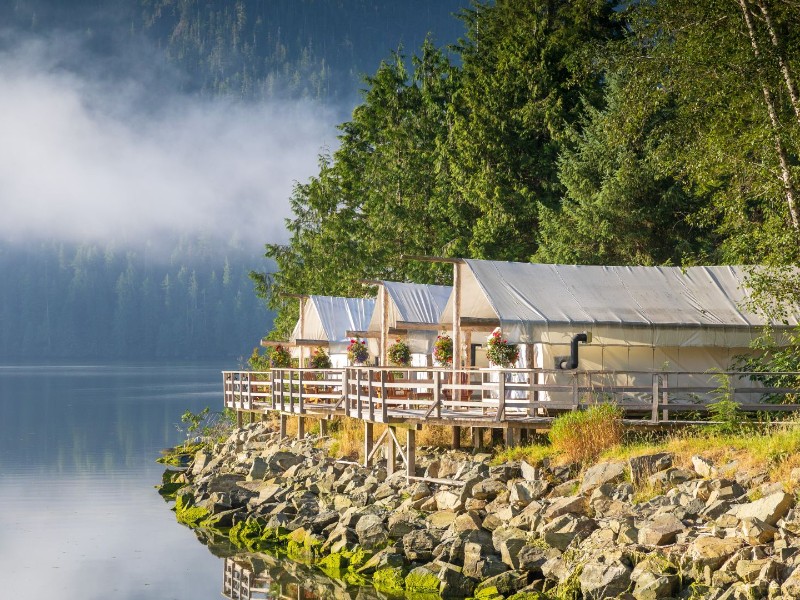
{"points": [[313, 49], [61, 300], [253, 49]]}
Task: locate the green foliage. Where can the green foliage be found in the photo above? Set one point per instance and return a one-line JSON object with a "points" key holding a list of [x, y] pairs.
{"points": [[210, 425], [280, 357], [357, 352], [582, 435]]}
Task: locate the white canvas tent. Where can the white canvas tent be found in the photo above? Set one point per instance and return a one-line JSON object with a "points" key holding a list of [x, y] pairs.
{"points": [[640, 318], [325, 320], [411, 309]]}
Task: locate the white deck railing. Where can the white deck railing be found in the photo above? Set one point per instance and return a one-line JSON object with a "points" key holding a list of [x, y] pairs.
{"points": [[389, 393]]}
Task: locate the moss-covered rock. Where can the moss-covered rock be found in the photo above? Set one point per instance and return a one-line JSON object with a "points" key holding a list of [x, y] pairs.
{"points": [[186, 512], [422, 580], [334, 565], [247, 534], [390, 580], [488, 593]]}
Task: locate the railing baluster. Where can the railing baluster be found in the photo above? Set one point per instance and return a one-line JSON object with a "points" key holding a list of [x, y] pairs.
{"points": [[371, 397], [384, 398]]}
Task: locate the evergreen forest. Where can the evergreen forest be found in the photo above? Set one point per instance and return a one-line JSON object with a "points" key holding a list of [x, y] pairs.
{"points": [[581, 132], [61, 300]]}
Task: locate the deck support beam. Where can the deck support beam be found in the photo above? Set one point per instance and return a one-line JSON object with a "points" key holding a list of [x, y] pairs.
{"points": [[456, 438], [368, 431], [323, 427], [282, 426], [411, 452], [477, 438], [497, 437], [239, 419], [301, 427], [391, 452], [511, 437]]}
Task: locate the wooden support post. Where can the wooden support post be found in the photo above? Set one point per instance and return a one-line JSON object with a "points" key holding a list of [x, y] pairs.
{"points": [[358, 394], [264, 417], [665, 399], [511, 437], [411, 452], [282, 427], [384, 406], [456, 316], [654, 410], [501, 396], [239, 419], [367, 443], [523, 436], [323, 427], [391, 454], [301, 427], [370, 395], [477, 438], [383, 352], [456, 437], [437, 393]]}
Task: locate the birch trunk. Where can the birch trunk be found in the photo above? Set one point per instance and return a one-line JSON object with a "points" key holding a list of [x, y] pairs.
{"points": [[784, 66], [786, 175]]}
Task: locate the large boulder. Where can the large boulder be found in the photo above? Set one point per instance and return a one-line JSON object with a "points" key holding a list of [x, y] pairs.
{"points": [[601, 473], [454, 584], [575, 505], [560, 532], [712, 552], [661, 531], [643, 467], [525, 492], [600, 580], [371, 531], [418, 545], [769, 509]]}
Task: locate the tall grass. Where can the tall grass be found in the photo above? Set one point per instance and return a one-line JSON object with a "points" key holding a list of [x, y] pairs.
{"points": [[582, 435]]}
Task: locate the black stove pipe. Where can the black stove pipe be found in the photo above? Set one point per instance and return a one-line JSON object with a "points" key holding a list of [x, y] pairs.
{"points": [[572, 363]]}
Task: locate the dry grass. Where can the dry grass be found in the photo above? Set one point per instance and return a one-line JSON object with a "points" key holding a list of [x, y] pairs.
{"points": [[581, 436]]}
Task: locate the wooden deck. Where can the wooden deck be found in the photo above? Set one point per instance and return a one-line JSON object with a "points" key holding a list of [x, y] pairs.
{"points": [[510, 402]]}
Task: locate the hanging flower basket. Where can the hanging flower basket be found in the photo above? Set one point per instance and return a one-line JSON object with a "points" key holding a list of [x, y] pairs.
{"points": [[280, 358], [319, 359], [357, 352], [443, 350], [499, 352], [399, 353]]}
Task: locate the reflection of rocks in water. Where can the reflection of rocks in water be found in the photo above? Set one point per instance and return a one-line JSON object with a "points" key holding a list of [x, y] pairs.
{"points": [[261, 576], [218, 543]]}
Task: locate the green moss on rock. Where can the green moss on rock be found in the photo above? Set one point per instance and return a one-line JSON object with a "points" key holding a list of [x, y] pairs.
{"points": [[334, 564], [389, 580], [489, 593], [422, 580]]}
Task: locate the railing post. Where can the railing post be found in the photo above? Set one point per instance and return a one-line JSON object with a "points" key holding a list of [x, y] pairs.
{"points": [[272, 389], [501, 395], [249, 391], [437, 393], [282, 375], [358, 393], [291, 391], [371, 398], [574, 391], [384, 399], [654, 414], [301, 407]]}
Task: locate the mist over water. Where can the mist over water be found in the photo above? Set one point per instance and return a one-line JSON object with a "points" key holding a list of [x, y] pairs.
{"points": [[105, 147]]}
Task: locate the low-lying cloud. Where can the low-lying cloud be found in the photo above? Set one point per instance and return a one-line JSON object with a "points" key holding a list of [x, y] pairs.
{"points": [[97, 159]]}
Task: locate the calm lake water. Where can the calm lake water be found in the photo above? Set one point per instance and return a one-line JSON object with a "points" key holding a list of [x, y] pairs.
{"points": [[79, 516]]}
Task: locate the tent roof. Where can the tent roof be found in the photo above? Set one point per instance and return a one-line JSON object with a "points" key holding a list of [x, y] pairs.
{"points": [[531, 300], [328, 318], [413, 303]]}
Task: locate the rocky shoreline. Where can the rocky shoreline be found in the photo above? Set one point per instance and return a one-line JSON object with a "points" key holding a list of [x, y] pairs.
{"points": [[643, 528]]}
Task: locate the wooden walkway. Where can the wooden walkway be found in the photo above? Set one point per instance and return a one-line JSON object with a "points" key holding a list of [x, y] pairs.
{"points": [[511, 402]]}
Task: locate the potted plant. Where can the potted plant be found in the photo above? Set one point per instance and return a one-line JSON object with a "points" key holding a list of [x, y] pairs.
{"points": [[399, 353], [357, 352], [443, 350], [319, 359], [499, 352], [280, 358]]}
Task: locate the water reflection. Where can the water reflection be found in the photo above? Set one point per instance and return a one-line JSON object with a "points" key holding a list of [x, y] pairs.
{"points": [[262, 576]]}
